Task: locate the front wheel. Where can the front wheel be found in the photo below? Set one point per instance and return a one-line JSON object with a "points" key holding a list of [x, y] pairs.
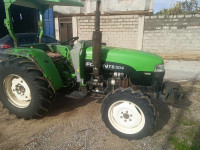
{"points": [[128, 114]]}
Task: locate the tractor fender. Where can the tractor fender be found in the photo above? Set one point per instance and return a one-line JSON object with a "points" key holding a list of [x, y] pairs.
{"points": [[43, 62]]}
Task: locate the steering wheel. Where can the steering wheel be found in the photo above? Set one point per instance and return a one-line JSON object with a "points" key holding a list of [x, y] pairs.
{"points": [[70, 42]]}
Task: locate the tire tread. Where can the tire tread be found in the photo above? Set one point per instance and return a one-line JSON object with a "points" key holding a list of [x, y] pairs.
{"points": [[135, 94], [46, 95]]}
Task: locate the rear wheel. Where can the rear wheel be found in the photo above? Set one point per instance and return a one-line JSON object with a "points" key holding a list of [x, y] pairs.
{"points": [[23, 89], [17, 91], [128, 114]]}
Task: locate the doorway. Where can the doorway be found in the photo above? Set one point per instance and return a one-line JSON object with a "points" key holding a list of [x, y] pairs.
{"points": [[66, 31]]}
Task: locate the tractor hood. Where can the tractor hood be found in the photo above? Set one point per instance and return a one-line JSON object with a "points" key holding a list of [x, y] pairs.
{"points": [[139, 60], [44, 3]]}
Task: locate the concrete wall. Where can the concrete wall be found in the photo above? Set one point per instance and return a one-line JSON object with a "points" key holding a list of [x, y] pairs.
{"points": [[107, 6], [118, 30], [168, 36], [172, 34]]}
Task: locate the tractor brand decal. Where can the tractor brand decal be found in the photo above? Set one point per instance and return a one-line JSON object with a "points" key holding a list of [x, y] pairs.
{"points": [[89, 64], [114, 67], [107, 66]]}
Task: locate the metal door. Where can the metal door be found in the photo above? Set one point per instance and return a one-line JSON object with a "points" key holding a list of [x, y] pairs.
{"points": [[49, 28]]}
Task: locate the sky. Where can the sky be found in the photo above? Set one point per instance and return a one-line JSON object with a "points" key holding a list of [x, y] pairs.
{"points": [[161, 4]]}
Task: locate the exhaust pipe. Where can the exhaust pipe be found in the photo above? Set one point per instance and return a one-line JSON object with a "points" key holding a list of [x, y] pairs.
{"points": [[97, 40]]}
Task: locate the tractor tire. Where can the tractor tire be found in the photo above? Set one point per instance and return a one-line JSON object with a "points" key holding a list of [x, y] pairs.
{"points": [[173, 92], [3, 57], [23, 89], [128, 114]]}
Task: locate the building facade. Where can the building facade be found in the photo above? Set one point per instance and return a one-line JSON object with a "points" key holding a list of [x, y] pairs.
{"points": [[108, 7], [122, 21]]}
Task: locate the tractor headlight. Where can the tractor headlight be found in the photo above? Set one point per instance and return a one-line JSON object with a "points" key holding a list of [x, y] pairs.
{"points": [[159, 68]]}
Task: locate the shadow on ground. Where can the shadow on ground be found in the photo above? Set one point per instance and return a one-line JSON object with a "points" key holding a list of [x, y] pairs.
{"points": [[182, 105], [64, 104], [196, 140]]}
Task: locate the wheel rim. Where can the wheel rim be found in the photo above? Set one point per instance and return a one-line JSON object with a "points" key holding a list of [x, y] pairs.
{"points": [[17, 91], [126, 117]]}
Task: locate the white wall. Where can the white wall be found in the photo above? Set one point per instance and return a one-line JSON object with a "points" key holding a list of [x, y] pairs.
{"points": [[108, 6], [118, 30]]}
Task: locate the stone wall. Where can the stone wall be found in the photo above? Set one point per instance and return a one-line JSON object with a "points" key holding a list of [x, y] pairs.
{"points": [[178, 35], [118, 30]]}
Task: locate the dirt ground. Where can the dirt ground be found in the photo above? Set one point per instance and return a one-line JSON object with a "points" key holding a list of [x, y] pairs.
{"points": [[76, 124]]}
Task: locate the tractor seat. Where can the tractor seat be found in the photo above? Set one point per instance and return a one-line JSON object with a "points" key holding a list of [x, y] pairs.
{"points": [[53, 55]]}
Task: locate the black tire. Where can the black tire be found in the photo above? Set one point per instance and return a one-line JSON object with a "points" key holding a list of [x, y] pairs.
{"points": [[42, 94], [173, 92], [144, 106], [3, 57]]}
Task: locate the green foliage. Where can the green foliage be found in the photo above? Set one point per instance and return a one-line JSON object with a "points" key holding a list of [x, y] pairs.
{"points": [[189, 138], [191, 133], [186, 122], [180, 144], [182, 8], [184, 144]]}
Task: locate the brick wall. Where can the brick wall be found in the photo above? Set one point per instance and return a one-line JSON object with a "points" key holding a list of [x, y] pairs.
{"points": [[177, 35], [170, 36], [118, 30]]}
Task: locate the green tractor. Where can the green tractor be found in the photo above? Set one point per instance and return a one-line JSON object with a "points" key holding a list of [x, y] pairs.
{"points": [[30, 75]]}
